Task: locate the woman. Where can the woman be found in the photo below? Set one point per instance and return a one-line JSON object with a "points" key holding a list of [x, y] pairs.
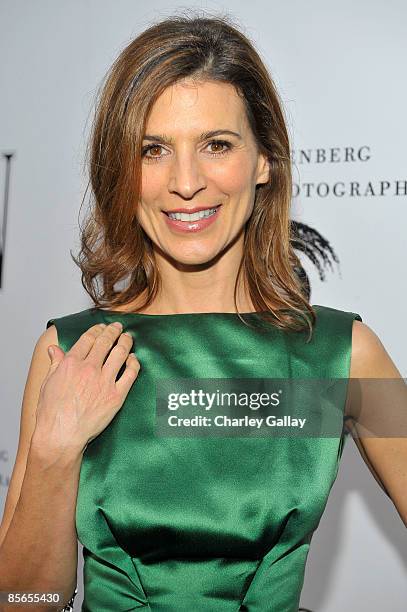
{"points": [[190, 237]]}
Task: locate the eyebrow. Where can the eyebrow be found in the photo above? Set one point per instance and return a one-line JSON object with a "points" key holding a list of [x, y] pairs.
{"points": [[167, 140]]}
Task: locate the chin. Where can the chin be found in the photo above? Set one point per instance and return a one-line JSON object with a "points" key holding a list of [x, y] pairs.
{"points": [[194, 258]]}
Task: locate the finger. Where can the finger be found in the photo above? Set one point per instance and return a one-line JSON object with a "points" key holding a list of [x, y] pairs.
{"points": [[103, 344], [129, 375], [85, 342], [117, 357]]}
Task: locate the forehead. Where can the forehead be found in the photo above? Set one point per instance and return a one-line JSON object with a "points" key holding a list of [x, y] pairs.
{"points": [[188, 105]]}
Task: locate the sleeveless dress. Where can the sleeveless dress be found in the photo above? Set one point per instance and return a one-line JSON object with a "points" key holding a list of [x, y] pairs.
{"points": [[204, 524]]}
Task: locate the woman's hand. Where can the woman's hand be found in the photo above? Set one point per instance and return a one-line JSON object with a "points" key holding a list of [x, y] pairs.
{"points": [[80, 396]]}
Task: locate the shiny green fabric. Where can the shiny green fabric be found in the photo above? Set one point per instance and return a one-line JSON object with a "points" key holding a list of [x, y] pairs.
{"points": [[204, 524]]}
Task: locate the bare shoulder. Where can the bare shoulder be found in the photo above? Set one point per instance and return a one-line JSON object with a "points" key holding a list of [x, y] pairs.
{"points": [[369, 358], [48, 336]]}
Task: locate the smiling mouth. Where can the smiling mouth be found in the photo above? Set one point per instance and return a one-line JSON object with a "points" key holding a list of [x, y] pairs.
{"points": [[196, 216]]}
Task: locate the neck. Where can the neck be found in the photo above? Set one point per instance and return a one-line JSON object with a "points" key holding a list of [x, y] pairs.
{"points": [[205, 287]]}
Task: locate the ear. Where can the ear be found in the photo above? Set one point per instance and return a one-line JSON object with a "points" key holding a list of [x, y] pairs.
{"points": [[263, 170]]}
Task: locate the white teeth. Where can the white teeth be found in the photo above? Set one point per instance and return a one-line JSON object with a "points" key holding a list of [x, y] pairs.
{"points": [[194, 216]]}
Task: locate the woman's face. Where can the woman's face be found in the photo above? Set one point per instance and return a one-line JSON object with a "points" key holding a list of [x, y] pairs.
{"points": [[184, 167]]}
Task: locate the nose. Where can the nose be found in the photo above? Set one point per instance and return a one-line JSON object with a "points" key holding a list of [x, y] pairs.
{"points": [[186, 175]]}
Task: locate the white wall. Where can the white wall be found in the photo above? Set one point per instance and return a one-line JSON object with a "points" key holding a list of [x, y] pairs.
{"points": [[340, 68]]}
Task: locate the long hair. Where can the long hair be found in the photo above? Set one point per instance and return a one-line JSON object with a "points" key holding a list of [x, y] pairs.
{"points": [[116, 256]]}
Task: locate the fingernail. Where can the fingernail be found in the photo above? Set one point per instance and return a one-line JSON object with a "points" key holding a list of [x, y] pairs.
{"points": [[118, 324]]}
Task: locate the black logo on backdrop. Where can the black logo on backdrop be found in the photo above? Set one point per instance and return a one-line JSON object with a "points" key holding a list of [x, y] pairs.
{"points": [[309, 241], [4, 210]]}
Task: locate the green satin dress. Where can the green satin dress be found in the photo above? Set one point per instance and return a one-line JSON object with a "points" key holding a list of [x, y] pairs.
{"points": [[204, 524]]}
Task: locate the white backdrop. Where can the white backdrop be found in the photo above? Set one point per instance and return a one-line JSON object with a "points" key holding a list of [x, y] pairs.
{"points": [[340, 69]]}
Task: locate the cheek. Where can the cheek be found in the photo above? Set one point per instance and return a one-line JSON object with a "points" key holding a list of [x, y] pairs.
{"points": [[151, 185], [233, 177]]}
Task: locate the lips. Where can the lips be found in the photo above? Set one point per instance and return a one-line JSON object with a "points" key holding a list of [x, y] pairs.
{"points": [[192, 227]]}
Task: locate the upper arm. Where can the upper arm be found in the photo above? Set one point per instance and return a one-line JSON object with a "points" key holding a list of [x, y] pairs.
{"points": [[373, 402], [37, 372]]}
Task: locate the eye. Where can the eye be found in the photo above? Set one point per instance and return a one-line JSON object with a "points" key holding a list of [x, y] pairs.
{"points": [[223, 143], [149, 148]]}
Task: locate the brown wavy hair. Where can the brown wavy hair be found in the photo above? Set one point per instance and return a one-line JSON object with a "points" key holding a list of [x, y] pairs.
{"points": [[115, 250]]}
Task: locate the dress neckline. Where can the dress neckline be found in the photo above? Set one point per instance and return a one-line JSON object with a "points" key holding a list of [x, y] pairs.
{"points": [[173, 314]]}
